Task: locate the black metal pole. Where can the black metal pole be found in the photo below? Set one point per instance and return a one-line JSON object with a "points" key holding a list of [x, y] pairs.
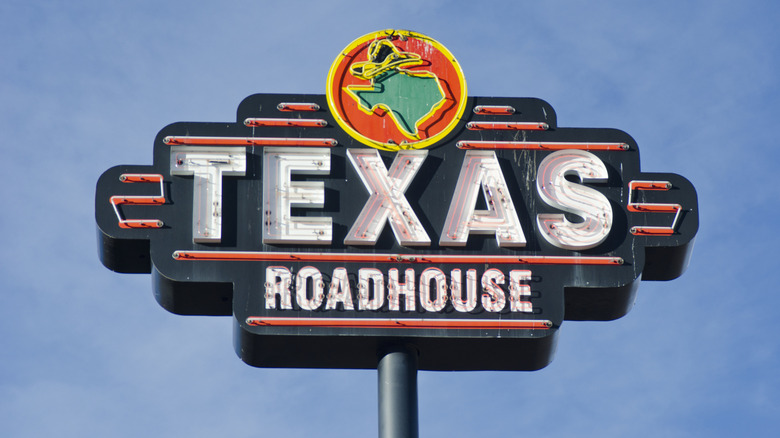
{"points": [[397, 373]]}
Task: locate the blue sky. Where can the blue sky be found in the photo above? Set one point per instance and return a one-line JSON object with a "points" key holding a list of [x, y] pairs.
{"points": [[86, 85]]}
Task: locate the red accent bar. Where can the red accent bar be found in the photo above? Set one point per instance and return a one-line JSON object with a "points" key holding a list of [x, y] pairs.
{"points": [[544, 146], [288, 106], [249, 141], [118, 200], [652, 231], [139, 177], [502, 110], [297, 123], [654, 208], [452, 324], [507, 126], [140, 223], [649, 185], [137, 200], [238, 256]]}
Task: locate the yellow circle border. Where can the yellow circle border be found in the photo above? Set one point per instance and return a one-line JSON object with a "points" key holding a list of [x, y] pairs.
{"points": [[462, 99]]}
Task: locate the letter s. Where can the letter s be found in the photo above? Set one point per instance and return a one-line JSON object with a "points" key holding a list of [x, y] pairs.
{"points": [[587, 203]]}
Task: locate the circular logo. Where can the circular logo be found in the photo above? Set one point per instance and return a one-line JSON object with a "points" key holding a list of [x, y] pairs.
{"points": [[396, 89]]}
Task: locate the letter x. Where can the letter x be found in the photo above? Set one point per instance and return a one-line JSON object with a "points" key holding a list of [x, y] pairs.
{"points": [[387, 200]]}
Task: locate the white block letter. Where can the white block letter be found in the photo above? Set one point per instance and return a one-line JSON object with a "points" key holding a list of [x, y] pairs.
{"points": [[440, 289], [587, 203], [407, 289], [387, 200], [277, 282], [340, 291], [517, 290], [366, 276], [281, 193], [480, 169], [470, 303], [208, 166], [493, 298], [302, 287]]}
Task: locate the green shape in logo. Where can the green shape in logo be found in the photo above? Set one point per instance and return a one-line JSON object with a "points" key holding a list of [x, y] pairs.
{"points": [[410, 99]]}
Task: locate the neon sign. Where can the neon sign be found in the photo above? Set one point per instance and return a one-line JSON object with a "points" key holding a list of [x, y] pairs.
{"points": [[471, 227]]}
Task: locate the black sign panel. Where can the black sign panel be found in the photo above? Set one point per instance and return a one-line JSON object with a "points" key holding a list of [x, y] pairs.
{"points": [[475, 249]]}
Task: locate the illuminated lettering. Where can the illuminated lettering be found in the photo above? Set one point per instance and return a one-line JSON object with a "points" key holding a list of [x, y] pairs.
{"points": [[436, 276], [587, 203], [518, 290], [281, 193], [366, 278], [431, 291], [395, 289], [277, 283], [208, 166], [340, 291], [493, 298], [480, 169], [387, 201], [458, 303], [302, 288]]}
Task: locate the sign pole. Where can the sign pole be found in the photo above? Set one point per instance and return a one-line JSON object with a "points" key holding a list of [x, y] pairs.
{"points": [[397, 392]]}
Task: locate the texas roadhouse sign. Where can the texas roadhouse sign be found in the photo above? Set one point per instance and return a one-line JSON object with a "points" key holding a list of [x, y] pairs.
{"points": [[395, 207]]}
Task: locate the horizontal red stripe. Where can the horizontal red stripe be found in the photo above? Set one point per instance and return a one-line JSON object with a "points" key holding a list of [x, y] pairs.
{"points": [[653, 208], [649, 185], [652, 231], [450, 324], [249, 141], [297, 123], [137, 200], [140, 177], [504, 126], [390, 258], [140, 223], [288, 106], [535, 145], [503, 110]]}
